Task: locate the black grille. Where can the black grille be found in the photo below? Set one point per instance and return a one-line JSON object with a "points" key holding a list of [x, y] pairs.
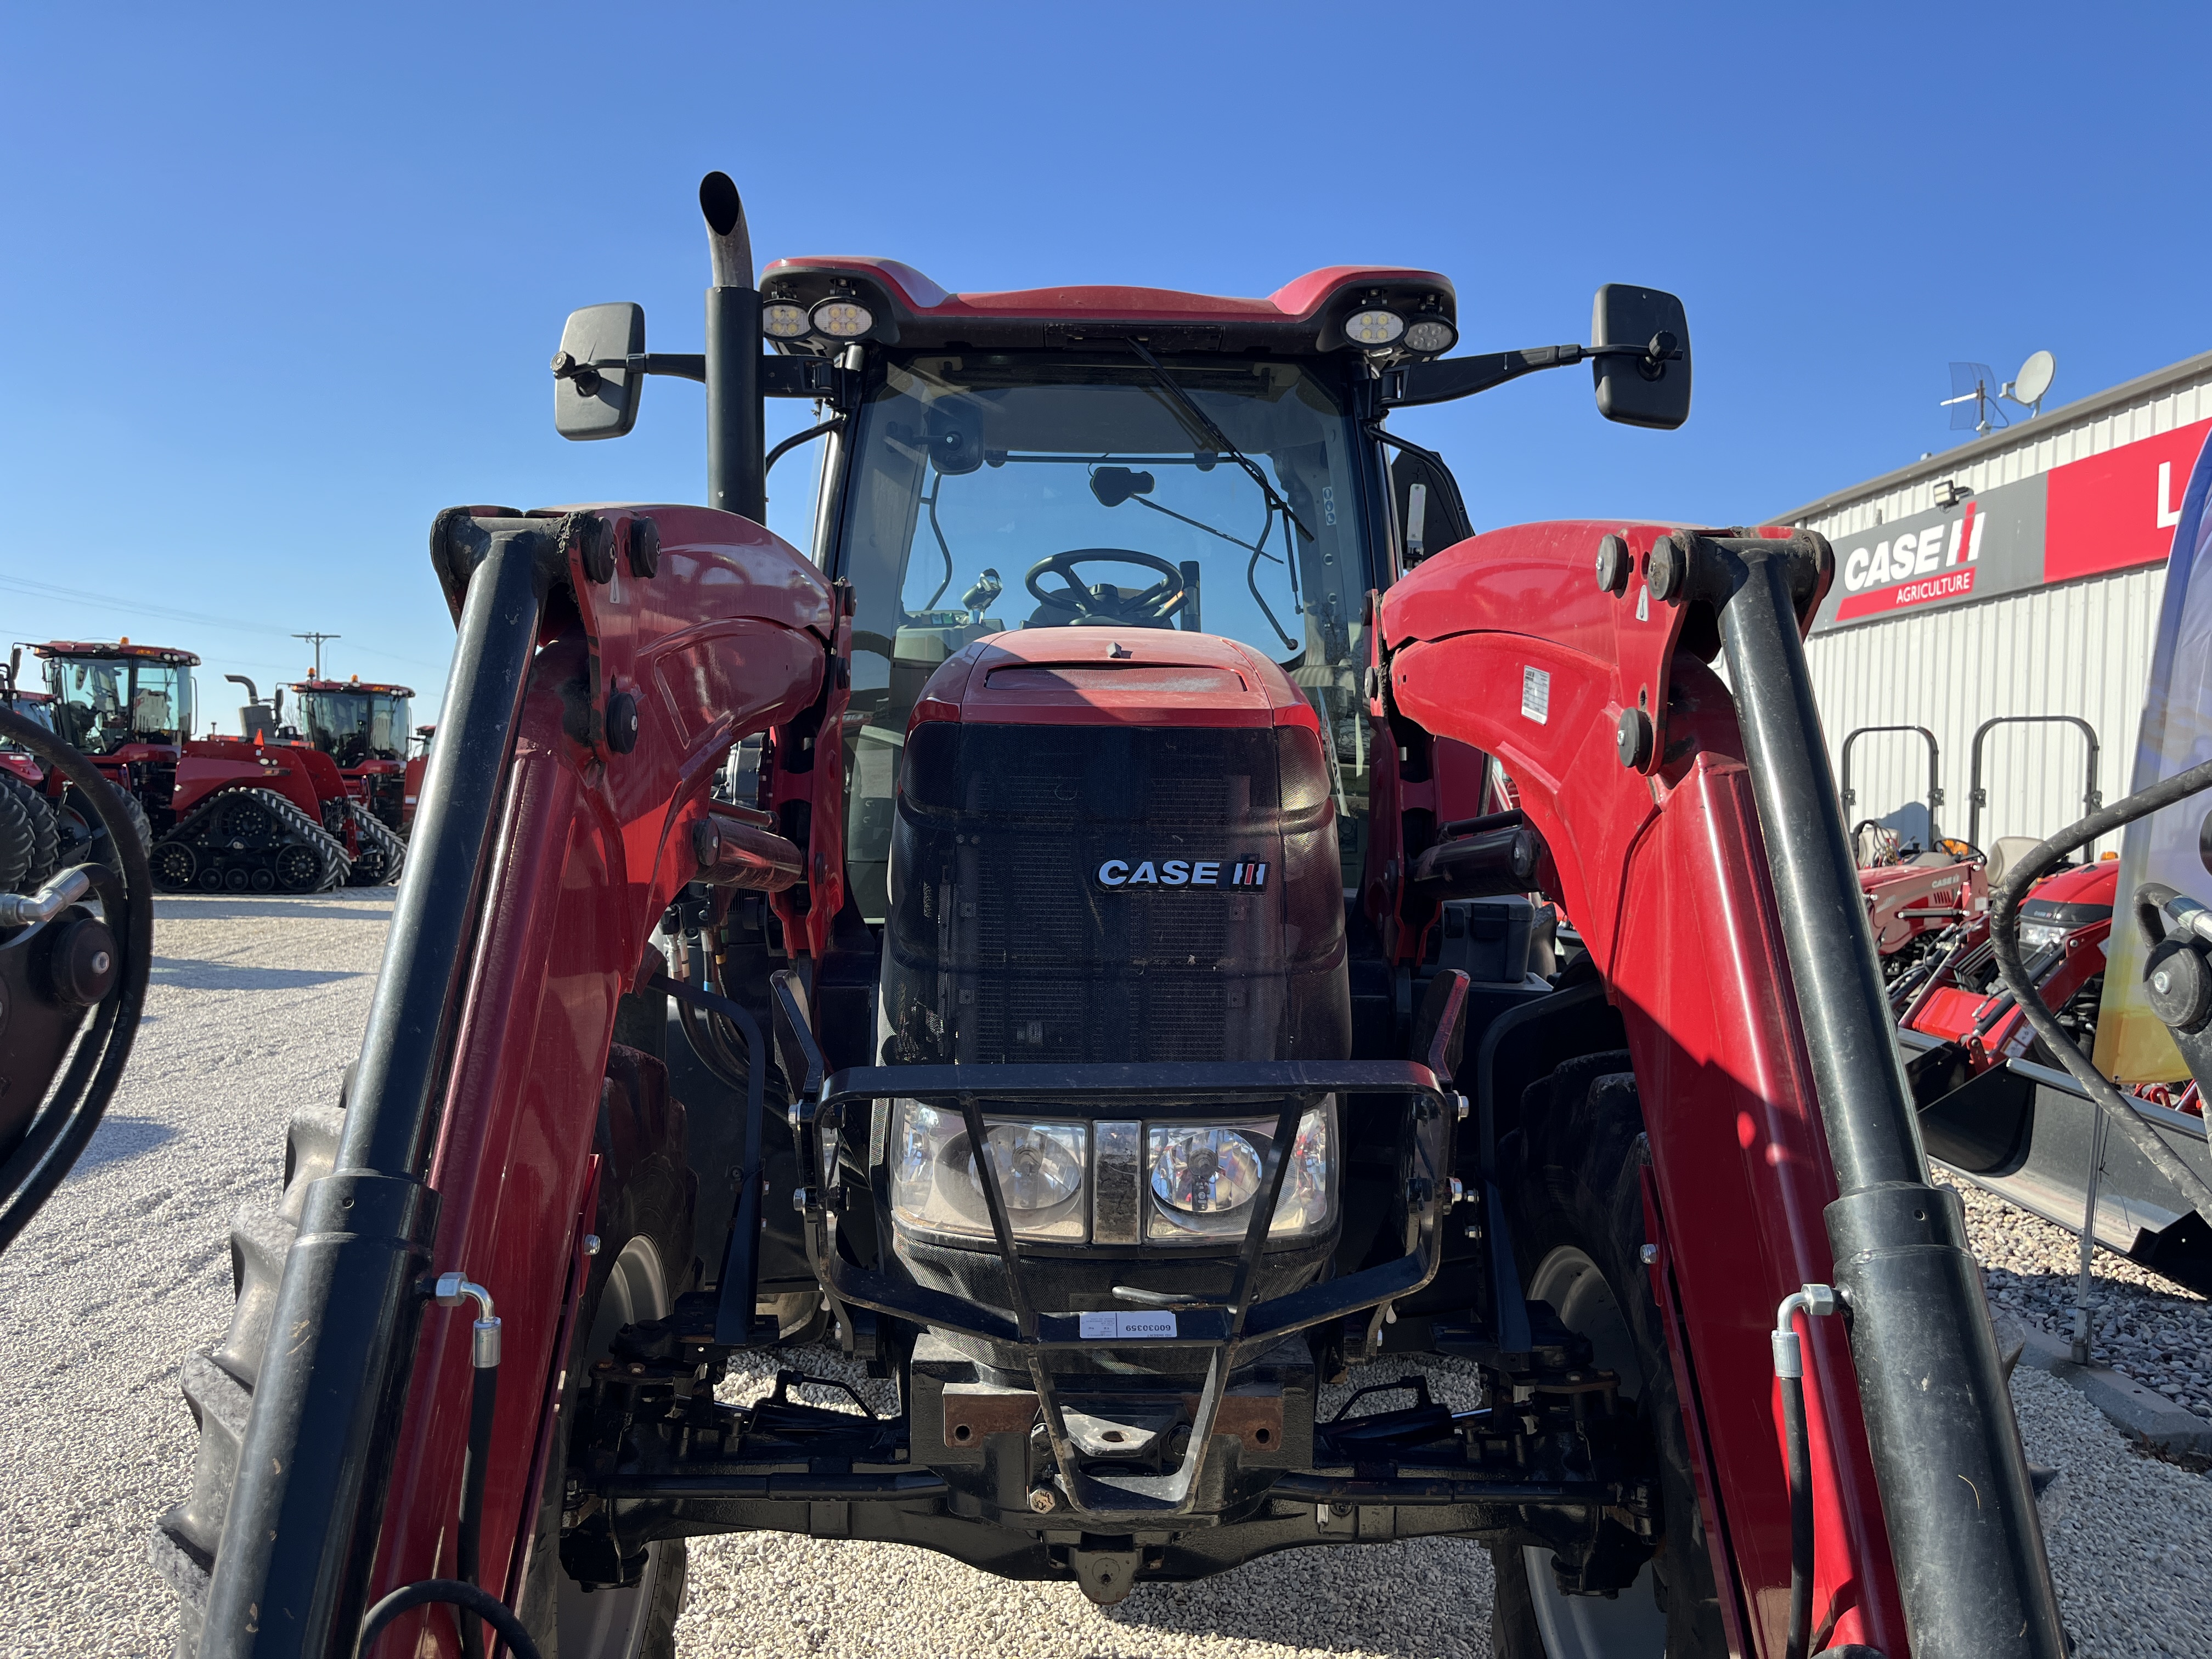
{"points": [[1003, 927]]}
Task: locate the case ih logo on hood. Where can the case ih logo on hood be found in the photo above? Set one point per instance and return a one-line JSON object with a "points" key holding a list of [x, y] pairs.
{"points": [[1180, 873]]}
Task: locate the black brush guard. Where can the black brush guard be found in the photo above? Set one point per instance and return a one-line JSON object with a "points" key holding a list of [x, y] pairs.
{"points": [[1222, 1330]]}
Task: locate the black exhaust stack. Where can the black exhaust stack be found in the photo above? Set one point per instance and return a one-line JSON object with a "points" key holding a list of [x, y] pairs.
{"points": [[737, 476]]}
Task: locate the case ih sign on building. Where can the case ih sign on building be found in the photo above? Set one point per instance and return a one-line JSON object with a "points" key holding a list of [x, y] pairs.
{"points": [[2106, 512]]}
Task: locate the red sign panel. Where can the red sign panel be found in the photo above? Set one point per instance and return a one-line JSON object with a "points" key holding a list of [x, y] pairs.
{"points": [[2116, 510]]}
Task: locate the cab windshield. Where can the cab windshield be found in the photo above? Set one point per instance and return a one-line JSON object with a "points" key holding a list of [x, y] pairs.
{"points": [[994, 491], [354, 726], [103, 703]]}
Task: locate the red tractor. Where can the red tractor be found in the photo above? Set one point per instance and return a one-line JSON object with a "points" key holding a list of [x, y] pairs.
{"points": [[1100, 986], [29, 837], [418, 763], [252, 814], [363, 728]]}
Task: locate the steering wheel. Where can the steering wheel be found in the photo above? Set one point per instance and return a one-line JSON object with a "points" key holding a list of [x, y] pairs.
{"points": [[1148, 608]]}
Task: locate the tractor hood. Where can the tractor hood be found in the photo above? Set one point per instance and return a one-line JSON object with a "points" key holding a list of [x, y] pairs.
{"points": [[1112, 677]]}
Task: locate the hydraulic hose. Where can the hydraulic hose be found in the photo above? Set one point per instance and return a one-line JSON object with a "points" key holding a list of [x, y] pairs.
{"points": [[481, 1602], [2004, 943], [471, 1601], [1789, 1373], [469, 1539]]}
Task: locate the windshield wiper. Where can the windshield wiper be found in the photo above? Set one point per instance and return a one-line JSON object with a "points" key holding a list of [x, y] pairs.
{"points": [[1214, 435]]}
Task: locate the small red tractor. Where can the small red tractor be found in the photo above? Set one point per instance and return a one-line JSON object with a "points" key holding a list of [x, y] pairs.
{"points": [[1995, 1103], [1098, 998]]}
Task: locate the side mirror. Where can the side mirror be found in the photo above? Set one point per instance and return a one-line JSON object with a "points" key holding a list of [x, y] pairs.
{"points": [[1652, 388], [591, 398]]}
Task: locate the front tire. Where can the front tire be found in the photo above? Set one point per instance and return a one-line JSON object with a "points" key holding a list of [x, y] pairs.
{"points": [[1576, 1201], [644, 1220], [647, 1198]]}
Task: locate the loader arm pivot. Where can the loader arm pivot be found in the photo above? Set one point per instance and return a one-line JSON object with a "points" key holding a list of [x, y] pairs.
{"points": [[609, 659], [1655, 793]]}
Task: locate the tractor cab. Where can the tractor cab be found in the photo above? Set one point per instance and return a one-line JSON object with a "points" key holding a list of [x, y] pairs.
{"points": [[1018, 463], [122, 701], [363, 727]]}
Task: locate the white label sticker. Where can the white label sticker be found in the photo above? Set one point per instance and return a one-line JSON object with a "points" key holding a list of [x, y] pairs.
{"points": [[1127, 1327], [1536, 695], [1644, 605]]}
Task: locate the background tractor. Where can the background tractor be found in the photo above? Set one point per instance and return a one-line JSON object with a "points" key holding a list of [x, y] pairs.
{"points": [[252, 814], [363, 728]]}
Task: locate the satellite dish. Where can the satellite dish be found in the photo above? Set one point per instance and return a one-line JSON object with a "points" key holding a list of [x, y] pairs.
{"points": [[2033, 379]]}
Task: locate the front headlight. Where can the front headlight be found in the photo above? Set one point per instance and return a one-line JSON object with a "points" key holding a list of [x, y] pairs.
{"points": [[1206, 1178], [2035, 935], [936, 1188]]}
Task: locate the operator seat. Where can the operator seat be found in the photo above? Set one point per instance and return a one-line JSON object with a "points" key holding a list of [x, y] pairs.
{"points": [[2008, 851]]}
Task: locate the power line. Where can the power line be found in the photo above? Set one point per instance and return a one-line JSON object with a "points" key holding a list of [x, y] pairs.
{"points": [[174, 613], [316, 640]]}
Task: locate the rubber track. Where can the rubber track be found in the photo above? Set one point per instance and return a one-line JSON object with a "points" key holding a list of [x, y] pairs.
{"points": [[374, 833], [218, 1376], [337, 866], [44, 828]]}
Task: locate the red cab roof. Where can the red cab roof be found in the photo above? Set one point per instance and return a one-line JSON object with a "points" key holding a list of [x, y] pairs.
{"points": [[1304, 316], [352, 685], [113, 649]]}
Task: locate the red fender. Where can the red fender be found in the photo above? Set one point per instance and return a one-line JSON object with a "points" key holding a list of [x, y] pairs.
{"points": [[1506, 643], [208, 764]]}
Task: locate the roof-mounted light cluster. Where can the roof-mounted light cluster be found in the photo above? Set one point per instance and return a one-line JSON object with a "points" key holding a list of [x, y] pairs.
{"points": [[1378, 329], [839, 317]]}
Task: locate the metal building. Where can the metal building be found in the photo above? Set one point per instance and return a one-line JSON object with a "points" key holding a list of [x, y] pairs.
{"points": [[2017, 575]]}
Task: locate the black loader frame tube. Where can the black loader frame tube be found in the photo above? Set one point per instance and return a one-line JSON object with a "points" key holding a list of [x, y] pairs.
{"points": [[1964, 1533], [291, 1572]]}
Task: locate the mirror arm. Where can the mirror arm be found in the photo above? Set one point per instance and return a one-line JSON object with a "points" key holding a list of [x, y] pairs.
{"points": [[1445, 379], [780, 377]]}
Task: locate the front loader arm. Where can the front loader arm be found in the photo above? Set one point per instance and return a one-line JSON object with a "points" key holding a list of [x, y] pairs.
{"points": [[608, 660], [1632, 765]]}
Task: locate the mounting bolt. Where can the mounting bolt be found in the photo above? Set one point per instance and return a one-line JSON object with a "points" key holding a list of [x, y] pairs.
{"points": [[591, 1243], [1649, 1255], [1043, 1500], [802, 1199], [1633, 737], [1614, 564], [644, 548], [1667, 571], [1471, 1230], [622, 722]]}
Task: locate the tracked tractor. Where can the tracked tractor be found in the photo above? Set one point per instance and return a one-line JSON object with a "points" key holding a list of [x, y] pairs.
{"points": [[363, 728], [1062, 941], [253, 814]]}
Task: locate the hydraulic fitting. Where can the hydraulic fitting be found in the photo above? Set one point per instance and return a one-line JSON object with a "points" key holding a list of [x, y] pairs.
{"points": [[453, 1289]]}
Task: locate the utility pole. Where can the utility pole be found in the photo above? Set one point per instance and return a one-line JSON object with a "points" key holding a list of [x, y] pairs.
{"points": [[318, 639]]}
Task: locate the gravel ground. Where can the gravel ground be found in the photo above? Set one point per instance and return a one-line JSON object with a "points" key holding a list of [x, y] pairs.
{"points": [[2145, 1326], [257, 1005]]}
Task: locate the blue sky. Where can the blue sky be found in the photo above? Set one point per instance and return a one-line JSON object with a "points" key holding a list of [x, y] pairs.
{"points": [[281, 282]]}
